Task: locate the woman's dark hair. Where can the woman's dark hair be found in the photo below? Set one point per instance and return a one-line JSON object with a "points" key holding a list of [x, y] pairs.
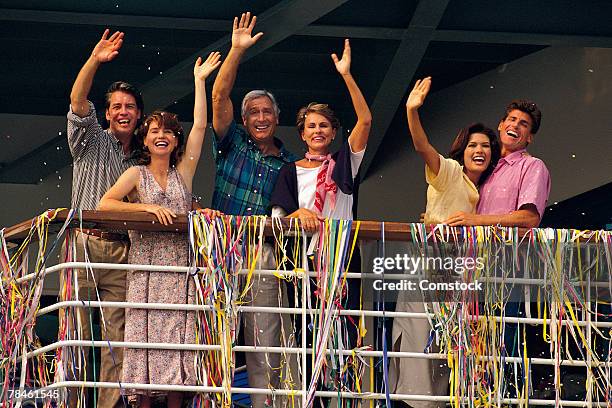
{"points": [[321, 109], [462, 140], [166, 120]]}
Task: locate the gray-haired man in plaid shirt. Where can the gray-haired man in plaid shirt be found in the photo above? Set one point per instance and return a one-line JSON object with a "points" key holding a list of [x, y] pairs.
{"points": [[248, 160]]}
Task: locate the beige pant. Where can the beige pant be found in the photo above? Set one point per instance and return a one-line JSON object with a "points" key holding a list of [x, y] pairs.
{"points": [[415, 375], [263, 329], [110, 285]]}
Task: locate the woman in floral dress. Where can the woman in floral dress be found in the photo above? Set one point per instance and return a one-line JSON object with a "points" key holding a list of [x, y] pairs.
{"points": [[161, 185]]}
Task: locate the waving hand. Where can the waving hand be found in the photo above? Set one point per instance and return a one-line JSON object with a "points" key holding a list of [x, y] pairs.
{"points": [[358, 138], [344, 65], [189, 163], [201, 70], [419, 93], [241, 34], [108, 48], [419, 137], [105, 50]]}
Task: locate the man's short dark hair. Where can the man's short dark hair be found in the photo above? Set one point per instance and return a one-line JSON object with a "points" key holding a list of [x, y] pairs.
{"points": [[127, 88], [530, 108]]}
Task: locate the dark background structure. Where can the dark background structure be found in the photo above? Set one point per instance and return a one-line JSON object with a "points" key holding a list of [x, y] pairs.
{"points": [[394, 42]]}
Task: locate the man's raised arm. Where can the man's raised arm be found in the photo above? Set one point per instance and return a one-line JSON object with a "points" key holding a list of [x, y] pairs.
{"points": [[105, 50], [223, 111]]}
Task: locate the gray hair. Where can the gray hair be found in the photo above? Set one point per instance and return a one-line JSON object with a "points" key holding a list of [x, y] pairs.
{"points": [[258, 93]]}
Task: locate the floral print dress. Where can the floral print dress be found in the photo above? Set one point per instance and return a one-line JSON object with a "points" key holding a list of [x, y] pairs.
{"points": [[144, 366]]}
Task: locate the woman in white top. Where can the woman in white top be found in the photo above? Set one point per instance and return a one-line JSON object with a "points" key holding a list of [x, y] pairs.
{"points": [[322, 185]]}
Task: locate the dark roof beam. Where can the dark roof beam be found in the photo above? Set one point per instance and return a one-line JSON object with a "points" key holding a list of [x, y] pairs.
{"points": [[277, 23], [376, 33], [114, 20], [39, 163], [399, 76], [492, 37]]}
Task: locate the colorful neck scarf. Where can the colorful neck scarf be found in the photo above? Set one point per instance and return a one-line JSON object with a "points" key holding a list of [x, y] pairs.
{"points": [[325, 183]]}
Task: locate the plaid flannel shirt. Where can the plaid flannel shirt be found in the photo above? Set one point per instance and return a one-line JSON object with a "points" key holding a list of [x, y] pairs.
{"points": [[245, 177]]}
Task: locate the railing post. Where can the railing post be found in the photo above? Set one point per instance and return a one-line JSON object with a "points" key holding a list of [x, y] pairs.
{"points": [[304, 343], [589, 362]]}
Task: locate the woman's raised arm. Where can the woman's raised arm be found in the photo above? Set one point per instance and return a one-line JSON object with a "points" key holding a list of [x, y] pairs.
{"points": [[419, 137], [358, 139], [189, 163]]}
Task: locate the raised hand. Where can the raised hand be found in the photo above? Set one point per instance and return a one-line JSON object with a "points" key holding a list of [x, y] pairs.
{"points": [[241, 33], [419, 93], [108, 48], [201, 70], [344, 65]]}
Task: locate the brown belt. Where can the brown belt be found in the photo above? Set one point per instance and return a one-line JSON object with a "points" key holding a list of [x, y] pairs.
{"points": [[108, 236]]}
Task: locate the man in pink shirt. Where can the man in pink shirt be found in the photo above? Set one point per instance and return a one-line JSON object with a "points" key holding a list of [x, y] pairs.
{"points": [[516, 192]]}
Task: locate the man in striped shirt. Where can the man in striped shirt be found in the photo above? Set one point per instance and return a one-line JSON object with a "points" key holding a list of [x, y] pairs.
{"points": [[248, 160], [100, 156]]}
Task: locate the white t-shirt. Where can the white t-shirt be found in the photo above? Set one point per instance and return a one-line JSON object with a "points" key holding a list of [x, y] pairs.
{"points": [[307, 187]]}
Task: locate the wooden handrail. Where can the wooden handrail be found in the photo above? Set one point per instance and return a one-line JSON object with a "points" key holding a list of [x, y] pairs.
{"points": [[115, 221]]}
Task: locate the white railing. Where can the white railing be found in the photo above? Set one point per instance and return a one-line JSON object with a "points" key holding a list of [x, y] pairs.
{"points": [[571, 322], [260, 349]]}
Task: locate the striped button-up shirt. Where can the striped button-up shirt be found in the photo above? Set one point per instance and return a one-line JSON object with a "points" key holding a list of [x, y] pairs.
{"points": [[98, 159], [245, 177]]}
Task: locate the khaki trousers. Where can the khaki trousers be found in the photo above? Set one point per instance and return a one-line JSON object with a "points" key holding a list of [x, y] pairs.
{"points": [[415, 375], [263, 329], [111, 286]]}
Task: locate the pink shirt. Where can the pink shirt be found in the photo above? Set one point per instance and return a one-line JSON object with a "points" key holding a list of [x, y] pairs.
{"points": [[518, 179]]}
